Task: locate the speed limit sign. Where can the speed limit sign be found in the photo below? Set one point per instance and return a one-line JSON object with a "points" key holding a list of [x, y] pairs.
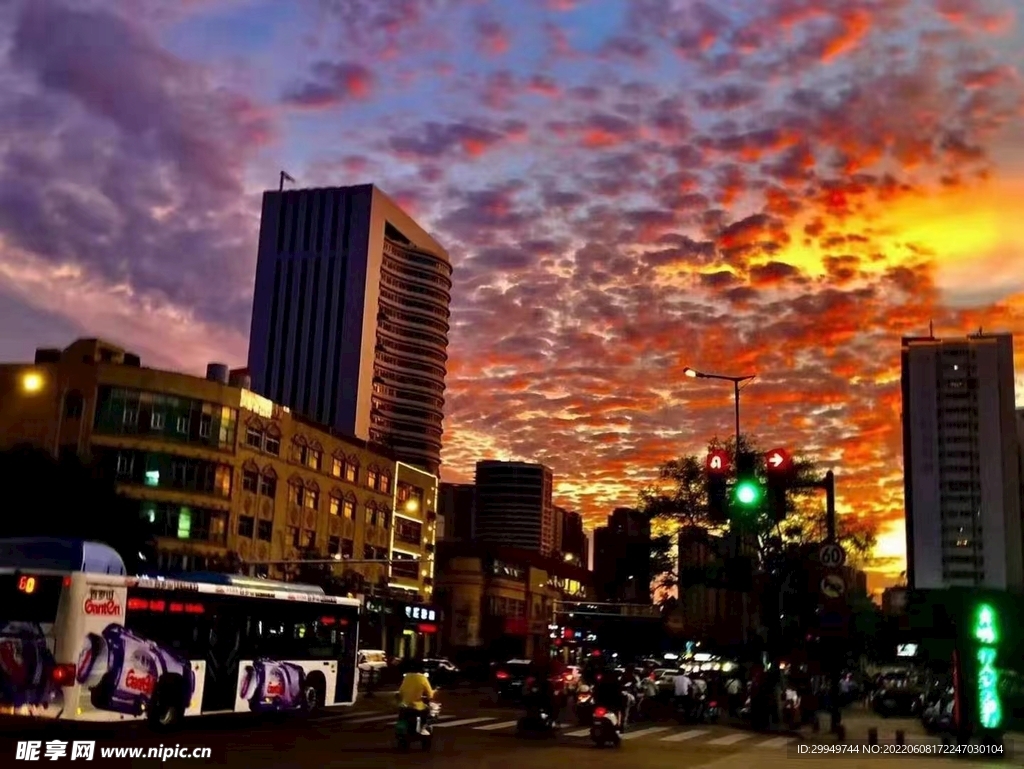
{"points": [[832, 555]]}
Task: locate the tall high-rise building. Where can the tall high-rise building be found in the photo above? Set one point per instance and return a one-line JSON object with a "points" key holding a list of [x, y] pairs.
{"points": [[961, 463], [622, 557], [574, 541], [514, 507], [455, 505], [350, 317]]}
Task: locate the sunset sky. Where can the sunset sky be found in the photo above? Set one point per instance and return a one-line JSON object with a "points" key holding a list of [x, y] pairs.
{"points": [[626, 188]]}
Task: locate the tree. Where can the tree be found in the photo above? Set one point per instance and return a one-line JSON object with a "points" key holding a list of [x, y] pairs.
{"points": [[679, 499], [72, 500], [326, 575]]}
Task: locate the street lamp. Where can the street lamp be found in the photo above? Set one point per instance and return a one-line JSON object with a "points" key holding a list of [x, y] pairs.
{"points": [[736, 382], [32, 382], [411, 506]]}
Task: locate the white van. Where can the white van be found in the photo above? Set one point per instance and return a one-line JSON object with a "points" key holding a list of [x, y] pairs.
{"points": [[370, 659]]}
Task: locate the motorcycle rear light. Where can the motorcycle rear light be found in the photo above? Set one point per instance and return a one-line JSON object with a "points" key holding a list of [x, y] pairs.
{"points": [[712, 704], [600, 712], [501, 675], [63, 675]]}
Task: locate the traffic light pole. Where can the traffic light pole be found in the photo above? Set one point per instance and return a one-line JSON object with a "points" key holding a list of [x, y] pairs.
{"points": [[828, 485]]}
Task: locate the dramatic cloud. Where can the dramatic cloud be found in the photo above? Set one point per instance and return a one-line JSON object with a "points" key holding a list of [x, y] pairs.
{"points": [[782, 188]]}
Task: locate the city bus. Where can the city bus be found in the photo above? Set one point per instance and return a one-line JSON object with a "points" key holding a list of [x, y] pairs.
{"points": [[82, 640]]}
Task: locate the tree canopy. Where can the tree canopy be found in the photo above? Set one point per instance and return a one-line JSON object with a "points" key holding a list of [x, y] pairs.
{"points": [[68, 498], [679, 499]]}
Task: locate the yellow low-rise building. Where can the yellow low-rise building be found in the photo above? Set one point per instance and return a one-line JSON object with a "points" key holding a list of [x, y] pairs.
{"points": [[221, 471]]}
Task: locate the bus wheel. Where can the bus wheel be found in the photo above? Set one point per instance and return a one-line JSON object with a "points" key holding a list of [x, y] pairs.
{"points": [[314, 694], [165, 706]]}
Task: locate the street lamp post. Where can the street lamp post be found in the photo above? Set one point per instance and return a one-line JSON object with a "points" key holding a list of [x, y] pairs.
{"points": [[736, 382]]}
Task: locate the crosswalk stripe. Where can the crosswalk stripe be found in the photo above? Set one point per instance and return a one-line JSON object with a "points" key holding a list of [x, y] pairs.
{"points": [[730, 739], [774, 742], [579, 733], [644, 732], [464, 722], [680, 736], [368, 719], [499, 725]]}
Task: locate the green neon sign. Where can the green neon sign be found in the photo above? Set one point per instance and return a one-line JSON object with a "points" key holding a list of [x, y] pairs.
{"points": [[990, 708]]}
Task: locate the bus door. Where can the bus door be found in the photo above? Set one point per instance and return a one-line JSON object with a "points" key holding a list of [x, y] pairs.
{"points": [[346, 650], [223, 655]]}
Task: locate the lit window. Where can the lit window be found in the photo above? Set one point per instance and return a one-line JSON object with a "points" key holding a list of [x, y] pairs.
{"points": [[335, 505], [156, 420], [184, 523]]}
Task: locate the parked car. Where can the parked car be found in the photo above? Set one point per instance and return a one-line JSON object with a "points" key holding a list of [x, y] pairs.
{"points": [[441, 672], [510, 677], [665, 681], [371, 662]]}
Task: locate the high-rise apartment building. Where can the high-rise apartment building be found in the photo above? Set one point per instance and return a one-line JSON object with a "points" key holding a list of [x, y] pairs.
{"points": [[622, 557], [961, 463], [455, 505], [514, 506], [575, 547], [350, 317]]}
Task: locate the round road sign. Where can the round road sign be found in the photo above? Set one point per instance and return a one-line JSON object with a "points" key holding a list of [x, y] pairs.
{"points": [[832, 586], [832, 555]]}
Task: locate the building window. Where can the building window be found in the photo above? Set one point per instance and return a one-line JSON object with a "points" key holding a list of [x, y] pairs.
{"points": [[263, 530], [156, 420], [348, 509], [293, 536], [205, 423], [296, 493], [333, 545], [312, 499], [371, 478], [268, 486], [335, 505], [222, 480], [337, 467], [384, 484], [272, 445], [246, 526], [309, 540], [371, 515], [250, 479], [312, 458], [73, 404], [347, 548], [131, 414], [125, 463], [351, 471], [254, 437], [182, 425]]}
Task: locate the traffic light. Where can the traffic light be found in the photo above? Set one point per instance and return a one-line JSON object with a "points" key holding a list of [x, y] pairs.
{"points": [[779, 471], [717, 469], [748, 493]]}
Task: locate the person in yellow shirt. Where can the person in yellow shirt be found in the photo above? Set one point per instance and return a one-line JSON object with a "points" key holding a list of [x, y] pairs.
{"points": [[415, 689]]}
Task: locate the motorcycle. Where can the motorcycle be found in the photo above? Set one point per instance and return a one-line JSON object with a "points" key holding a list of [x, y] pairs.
{"points": [[540, 718], [415, 725], [584, 707], [607, 728]]}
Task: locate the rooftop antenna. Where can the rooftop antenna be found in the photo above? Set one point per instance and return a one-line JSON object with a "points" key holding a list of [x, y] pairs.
{"points": [[285, 177]]}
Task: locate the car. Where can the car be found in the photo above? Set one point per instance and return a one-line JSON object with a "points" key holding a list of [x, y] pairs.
{"points": [[371, 663], [441, 672], [665, 680], [510, 677]]}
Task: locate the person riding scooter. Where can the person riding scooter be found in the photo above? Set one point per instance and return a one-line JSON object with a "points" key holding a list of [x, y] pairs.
{"points": [[608, 694], [414, 695]]}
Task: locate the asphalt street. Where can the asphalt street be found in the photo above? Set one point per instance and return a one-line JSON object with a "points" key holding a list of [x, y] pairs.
{"points": [[468, 735]]}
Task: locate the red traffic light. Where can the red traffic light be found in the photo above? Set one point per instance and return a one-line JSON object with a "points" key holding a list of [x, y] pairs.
{"points": [[778, 461], [717, 462]]}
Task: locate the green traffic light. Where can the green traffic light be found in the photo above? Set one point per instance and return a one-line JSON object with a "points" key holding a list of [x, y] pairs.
{"points": [[748, 493]]}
